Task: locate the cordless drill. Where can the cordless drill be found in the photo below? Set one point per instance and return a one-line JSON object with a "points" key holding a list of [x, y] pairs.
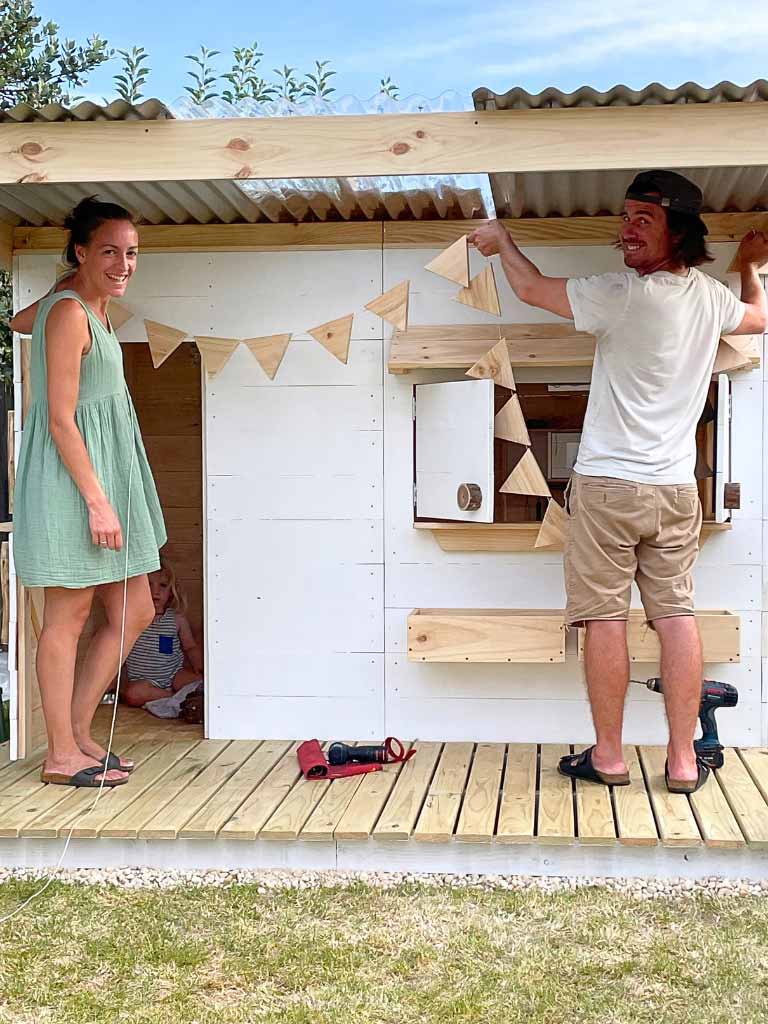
{"points": [[714, 695]]}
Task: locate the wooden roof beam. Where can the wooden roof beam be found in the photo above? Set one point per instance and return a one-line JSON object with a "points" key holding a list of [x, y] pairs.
{"points": [[588, 138], [419, 234]]}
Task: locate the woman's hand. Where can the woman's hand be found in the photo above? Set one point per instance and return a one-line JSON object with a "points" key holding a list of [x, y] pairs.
{"points": [[106, 531]]}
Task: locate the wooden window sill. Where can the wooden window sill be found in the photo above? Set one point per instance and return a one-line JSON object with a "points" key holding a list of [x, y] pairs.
{"points": [[511, 536]]}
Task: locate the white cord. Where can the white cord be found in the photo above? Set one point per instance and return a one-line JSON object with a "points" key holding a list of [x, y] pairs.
{"points": [[88, 810]]}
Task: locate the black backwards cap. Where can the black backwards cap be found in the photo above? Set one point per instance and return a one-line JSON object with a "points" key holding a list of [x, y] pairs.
{"points": [[668, 189]]}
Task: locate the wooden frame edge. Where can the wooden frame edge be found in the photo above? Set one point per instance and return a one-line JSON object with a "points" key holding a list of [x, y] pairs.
{"points": [[420, 234]]}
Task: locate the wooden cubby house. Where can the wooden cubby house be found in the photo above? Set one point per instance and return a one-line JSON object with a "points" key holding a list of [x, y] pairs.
{"points": [[340, 590]]}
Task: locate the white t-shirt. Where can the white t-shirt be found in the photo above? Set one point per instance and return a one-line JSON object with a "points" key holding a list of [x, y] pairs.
{"points": [[657, 339]]}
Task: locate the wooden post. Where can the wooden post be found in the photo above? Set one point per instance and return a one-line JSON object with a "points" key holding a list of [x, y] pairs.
{"points": [[5, 593], [11, 463]]}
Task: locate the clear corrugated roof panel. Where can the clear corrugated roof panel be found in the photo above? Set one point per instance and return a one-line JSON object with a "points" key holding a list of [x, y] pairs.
{"points": [[407, 197]]}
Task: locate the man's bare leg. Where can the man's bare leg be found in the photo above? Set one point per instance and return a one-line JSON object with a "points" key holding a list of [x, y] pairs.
{"points": [[606, 662], [681, 673]]}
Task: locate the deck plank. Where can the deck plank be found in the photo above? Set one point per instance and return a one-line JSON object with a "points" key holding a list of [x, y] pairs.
{"points": [[477, 820], [16, 772], [323, 821], [167, 823], [635, 823], [82, 804], [676, 821], [253, 813], [441, 808], [556, 823], [398, 819], [517, 812], [363, 810], [756, 763], [714, 816], [153, 760], [594, 813], [289, 818], [164, 792], [745, 800], [42, 799], [211, 818]]}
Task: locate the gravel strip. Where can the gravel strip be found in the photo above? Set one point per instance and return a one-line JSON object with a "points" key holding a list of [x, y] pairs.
{"points": [[271, 881]]}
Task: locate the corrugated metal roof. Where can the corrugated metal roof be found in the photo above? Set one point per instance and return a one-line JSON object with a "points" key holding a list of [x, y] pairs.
{"points": [[431, 197], [588, 193], [118, 110], [620, 96]]}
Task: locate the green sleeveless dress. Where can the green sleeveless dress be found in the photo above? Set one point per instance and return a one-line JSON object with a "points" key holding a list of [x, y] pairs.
{"points": [[52, 542]]}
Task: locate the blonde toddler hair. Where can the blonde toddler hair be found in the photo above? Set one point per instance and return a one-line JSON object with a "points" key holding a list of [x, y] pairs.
{"points": [[178, 597]]}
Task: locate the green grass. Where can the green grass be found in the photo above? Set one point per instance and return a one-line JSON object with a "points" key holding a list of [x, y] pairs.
{"points": [[81, 955]]}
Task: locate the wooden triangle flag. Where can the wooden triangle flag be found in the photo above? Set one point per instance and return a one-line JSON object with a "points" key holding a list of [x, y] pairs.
{"points": [[482, 293], [216, 352], [509, 423], [392, 306], [553, 527], [269, 351], [453, 262], [163, 340], [526, 478], [118, 315], [335, 336], [495, 365], [729, 358]]}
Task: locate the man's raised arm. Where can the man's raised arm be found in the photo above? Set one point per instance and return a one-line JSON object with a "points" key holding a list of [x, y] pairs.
{"points": [[526, 280]]}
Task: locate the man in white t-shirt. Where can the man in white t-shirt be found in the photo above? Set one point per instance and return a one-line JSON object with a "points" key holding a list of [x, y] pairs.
{"points": [[632, 501]]}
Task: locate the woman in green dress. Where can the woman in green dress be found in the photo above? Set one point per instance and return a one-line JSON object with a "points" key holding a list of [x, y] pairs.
{"points": [[87, 519]]}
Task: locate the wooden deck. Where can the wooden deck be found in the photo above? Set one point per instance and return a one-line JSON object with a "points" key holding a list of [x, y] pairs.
{"points": [[479, 794]]}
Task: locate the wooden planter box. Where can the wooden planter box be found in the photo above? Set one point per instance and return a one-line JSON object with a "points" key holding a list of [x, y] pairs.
{"points": [[720, 638], [486, 635]]}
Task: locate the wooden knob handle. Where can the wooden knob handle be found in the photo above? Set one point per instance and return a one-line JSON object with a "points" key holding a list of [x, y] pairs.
{"points": [[469, 497]]}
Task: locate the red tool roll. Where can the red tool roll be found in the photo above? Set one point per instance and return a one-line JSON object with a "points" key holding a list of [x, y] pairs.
{"points": [[314, 765]]}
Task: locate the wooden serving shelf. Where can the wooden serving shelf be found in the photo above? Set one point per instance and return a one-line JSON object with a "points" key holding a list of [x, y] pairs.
{"points": [[511, 536]]}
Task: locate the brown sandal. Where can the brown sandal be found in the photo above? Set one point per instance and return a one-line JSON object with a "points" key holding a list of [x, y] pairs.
{"points": [[84, 779]]}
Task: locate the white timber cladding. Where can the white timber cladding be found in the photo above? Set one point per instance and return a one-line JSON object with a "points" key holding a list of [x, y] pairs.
{"points": [[312, 563]]}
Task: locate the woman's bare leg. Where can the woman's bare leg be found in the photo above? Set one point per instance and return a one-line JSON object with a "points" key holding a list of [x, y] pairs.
{"points": [[101, 661], [66, 612]]}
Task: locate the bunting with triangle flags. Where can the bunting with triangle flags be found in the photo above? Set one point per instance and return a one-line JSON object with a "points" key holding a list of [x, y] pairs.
{"points": [[482, 293], [452, 263], [553, 527], [163, 340], [335, 336], [495, 365], [215, 353], [527, 478], [268, 352], [118, 314], [509, 423], [392, 306]]}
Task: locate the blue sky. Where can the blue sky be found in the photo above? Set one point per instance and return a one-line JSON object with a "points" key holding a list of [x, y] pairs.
{"points": [[430, 46]]}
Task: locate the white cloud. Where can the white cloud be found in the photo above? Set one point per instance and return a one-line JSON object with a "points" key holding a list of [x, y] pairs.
{"points": [[566, 35]]}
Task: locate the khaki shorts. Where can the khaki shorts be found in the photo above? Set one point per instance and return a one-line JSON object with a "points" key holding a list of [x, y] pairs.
{"points": [[619, 531]]}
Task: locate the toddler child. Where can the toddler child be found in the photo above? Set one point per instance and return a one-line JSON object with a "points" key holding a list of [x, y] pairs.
{"points": [[155, 667]]}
